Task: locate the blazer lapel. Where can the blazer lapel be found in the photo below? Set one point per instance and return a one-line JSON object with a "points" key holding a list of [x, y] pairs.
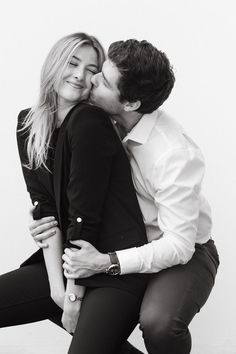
{"points": [[57, 171], [59, 164]]}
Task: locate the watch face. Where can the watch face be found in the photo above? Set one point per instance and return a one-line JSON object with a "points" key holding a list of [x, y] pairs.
{"points": [[72, 297], [114, 269]]}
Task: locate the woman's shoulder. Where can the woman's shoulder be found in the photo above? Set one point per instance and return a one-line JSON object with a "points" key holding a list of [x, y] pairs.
{"points": [[22, 114], [91, 123], [84, 111]]}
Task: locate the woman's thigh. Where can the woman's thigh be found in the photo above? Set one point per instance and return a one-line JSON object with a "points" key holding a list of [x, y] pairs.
{"points": [[25, 296], [107, 318]]}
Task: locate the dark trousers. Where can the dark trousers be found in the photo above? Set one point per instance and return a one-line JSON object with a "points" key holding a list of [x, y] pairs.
{"points": [[173, 298], [107, 318]]}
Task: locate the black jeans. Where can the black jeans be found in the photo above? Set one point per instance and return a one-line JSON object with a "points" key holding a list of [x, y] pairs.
{"points": [[173, 297], [107, 318]]}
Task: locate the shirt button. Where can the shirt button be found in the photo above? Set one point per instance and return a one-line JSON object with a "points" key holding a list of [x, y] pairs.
{"points": [[79, 220]]}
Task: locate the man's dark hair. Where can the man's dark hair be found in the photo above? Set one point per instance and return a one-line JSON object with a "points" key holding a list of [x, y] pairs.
{"points": [[146, 73]]}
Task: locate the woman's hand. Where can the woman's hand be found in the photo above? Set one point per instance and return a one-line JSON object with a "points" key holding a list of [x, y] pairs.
{"points": [[41, 229], [71, 314]]}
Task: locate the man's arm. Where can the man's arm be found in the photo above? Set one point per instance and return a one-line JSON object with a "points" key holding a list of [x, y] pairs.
{"points": [[176, 195], [177, 186]]}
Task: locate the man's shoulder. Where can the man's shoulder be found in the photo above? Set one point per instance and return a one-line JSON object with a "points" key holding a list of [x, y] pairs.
{"points": [[168, 134]]}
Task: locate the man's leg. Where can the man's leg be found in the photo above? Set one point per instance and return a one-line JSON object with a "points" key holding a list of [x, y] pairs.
{"points": [[172, 299], [107, 318], [25, 296]]}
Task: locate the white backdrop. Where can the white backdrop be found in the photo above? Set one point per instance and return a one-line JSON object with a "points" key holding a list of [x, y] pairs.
{"points": [[199, 38]]}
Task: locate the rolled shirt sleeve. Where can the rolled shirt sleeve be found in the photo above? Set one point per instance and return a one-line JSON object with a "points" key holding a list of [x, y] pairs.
{"points": [[176, 183]]}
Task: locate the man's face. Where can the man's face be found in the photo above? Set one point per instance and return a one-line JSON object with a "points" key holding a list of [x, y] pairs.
{"points": [[105, 93]]}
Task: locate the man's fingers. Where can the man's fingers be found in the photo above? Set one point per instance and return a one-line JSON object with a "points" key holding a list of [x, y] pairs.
{"points": [[69, 275], [80, 243], [66, 259], [41, 244], [67, 267], [69, 253], [45, 235], [38, 228]]}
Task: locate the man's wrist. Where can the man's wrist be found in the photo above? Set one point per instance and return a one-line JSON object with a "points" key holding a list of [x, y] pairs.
{"points": [[104, 262], [114, 267]]}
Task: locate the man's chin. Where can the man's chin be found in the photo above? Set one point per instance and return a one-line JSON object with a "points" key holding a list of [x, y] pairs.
{"points": [[91, 98]]}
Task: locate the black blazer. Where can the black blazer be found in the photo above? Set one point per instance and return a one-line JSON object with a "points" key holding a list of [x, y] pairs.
{"points": [[92, 181]]}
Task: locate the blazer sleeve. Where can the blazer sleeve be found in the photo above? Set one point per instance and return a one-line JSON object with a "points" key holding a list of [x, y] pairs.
{"points": [[36, 188], [93, 144]]}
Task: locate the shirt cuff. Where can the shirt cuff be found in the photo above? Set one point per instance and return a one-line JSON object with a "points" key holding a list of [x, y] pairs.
{"points": [[129, 261]]}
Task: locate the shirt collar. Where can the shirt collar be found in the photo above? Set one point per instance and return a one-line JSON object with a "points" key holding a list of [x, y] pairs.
{"points": [[142, 129]]}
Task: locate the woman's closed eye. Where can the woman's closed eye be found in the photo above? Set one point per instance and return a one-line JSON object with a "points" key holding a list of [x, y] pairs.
{"points": [[73, 63], [92, 71]]}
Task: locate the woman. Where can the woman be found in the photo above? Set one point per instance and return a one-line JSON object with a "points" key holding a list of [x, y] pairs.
{"points": [[76, 171]]}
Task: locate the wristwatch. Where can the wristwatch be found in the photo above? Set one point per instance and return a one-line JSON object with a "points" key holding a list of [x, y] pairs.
{"points": [[73, 297], [114, 268]]}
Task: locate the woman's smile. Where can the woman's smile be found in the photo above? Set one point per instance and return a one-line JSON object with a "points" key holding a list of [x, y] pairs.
{"points": [[75, 85]]}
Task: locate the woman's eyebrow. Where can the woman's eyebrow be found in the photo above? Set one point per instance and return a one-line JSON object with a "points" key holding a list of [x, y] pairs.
{"points": [[94, 65]]}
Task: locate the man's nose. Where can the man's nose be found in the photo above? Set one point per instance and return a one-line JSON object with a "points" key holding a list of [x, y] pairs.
{"points": [[94, 79]]}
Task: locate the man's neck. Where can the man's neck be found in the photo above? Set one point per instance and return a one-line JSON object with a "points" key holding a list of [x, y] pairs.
{"points": [[127, 120]]}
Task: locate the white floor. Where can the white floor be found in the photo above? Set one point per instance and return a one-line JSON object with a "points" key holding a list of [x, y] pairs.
{"points": [[46, 338], [43, 337]]}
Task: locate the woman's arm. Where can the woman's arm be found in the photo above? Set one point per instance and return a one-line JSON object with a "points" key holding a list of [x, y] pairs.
{"points": [[45, 207], [53, 261], [72, 308]]}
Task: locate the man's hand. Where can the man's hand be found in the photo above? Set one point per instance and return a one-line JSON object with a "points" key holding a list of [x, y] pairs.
{"points": [[85, 262], [41, 229]]}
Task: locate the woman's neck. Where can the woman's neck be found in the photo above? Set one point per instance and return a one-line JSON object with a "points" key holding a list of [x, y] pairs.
{"points": [[62, 113]]}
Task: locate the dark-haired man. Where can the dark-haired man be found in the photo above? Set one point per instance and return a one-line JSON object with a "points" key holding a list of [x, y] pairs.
{"points": [[167, 169]]}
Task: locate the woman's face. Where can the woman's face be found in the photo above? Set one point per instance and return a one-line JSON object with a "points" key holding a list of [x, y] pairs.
{"points": [[75, 83]]}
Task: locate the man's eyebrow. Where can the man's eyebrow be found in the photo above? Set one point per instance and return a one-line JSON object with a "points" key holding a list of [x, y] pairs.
{"points": [[105, 79]]}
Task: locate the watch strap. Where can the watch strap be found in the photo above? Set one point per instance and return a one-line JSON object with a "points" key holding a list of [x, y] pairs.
{"points": [[113, 257]]}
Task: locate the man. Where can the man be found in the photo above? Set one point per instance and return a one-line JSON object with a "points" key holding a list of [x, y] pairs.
{"points": [[167, 170]]}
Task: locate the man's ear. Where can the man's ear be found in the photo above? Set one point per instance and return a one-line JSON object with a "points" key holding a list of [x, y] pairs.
{"points": [[132, 106]]}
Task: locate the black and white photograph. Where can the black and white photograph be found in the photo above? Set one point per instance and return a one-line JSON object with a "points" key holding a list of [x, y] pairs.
{"points": [[117, 177]]}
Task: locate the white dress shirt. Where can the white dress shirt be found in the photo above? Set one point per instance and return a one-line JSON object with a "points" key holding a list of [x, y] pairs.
{"points": [[167, 168]]}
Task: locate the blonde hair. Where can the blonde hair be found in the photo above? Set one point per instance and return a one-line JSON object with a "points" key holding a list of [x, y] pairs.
{"points": [[41, 120]]}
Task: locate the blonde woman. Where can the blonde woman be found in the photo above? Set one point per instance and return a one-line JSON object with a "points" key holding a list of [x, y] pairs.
{"points": [[78, 177]]}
